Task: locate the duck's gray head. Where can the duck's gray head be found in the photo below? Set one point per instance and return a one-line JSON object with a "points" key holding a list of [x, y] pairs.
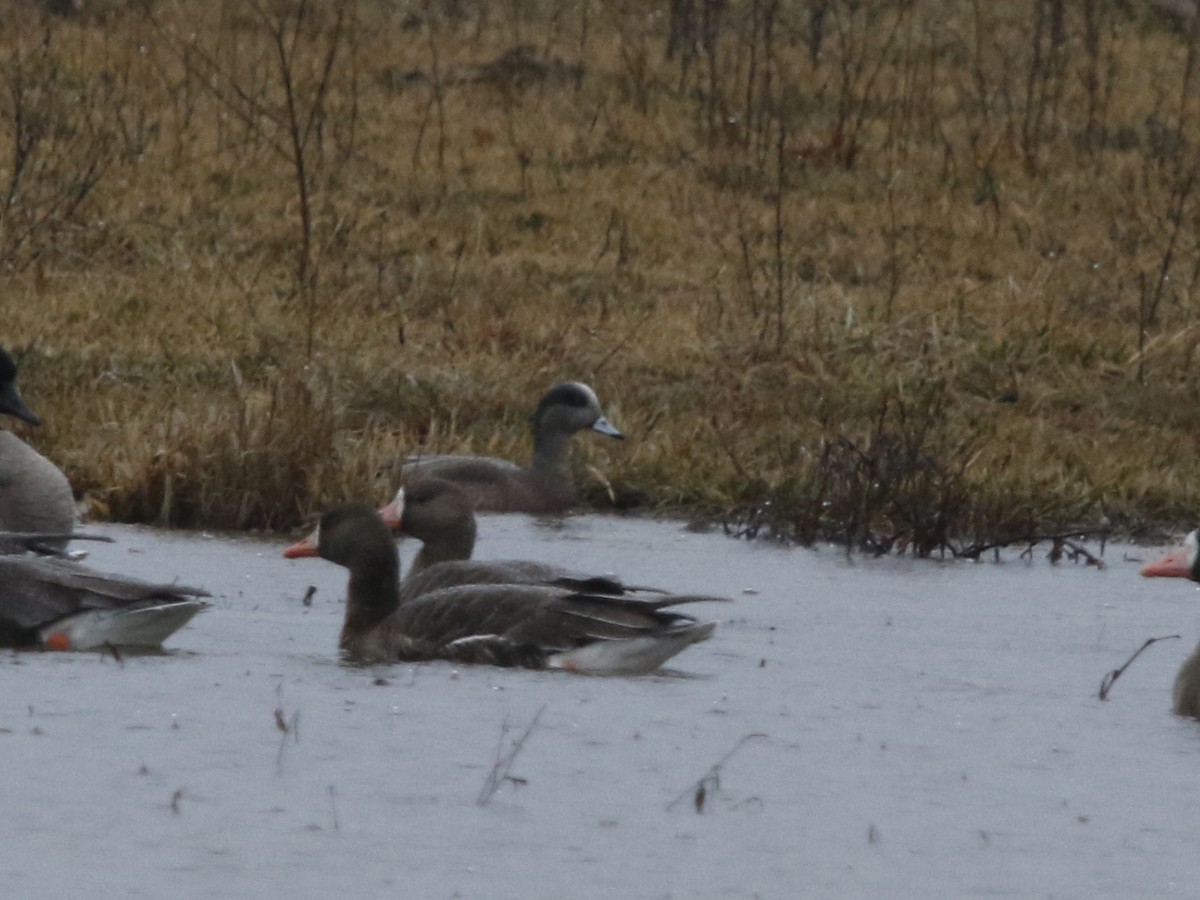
{"points": [[10, 401], [571, 407]]}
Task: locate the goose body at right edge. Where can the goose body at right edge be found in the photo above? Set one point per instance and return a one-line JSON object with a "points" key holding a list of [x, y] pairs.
{"points": [[1183, 562]]}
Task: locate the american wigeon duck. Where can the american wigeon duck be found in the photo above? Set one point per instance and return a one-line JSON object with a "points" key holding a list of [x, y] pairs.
{"points": [[59, 605], [438, 514], [34, 493], [533, 625], [1183, 562], [546, 485]]}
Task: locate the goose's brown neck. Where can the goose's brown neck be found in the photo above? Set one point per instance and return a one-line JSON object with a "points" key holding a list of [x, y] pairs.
{"points": [[439, 515], [354, 537], [457, 542], [372, 597]]}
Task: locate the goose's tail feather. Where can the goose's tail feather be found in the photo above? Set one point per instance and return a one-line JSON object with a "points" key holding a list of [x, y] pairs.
{"points": [[632, 656], [126, 626]]}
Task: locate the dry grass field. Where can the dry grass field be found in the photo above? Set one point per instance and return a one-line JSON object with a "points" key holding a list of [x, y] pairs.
{"points": [[911, 274]]}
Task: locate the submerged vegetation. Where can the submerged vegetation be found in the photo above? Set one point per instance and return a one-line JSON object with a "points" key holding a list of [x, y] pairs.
{"points": [[906, 274]]}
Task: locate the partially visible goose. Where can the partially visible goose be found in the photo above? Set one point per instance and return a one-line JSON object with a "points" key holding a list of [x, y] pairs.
{"points": [[58, 605], [1183, 562], [546, 486], [439, 515], [34, 494], [531, 625]]}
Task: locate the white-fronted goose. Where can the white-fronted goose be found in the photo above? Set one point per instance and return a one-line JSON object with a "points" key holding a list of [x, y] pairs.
{"points": [[531, 625], [34, 494], [438, 514], [546, 486], [1183, 562], [58, 605]]}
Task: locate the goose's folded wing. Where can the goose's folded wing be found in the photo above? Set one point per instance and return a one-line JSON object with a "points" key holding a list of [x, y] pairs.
{"points": [[511, 571], [533, 614], [34, 590]]}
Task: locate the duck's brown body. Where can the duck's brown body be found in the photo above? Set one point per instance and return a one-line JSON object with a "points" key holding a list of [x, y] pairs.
{"points": [[546, 486]]}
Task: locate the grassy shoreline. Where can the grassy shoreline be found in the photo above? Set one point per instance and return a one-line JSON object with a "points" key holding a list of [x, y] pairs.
{"points": [[916, 277]]}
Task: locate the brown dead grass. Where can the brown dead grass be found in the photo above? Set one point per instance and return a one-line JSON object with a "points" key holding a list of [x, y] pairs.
{"points": [[915, 284]]}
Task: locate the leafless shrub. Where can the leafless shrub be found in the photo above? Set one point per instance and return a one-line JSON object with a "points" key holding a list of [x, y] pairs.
{"points": [[903, 486], [286, 103], [59, 140], [900, 485]]}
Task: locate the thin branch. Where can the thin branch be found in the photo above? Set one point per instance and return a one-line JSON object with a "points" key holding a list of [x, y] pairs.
{"points": [[285, 728], [1110, 679], [504, 762], [711, 780]]}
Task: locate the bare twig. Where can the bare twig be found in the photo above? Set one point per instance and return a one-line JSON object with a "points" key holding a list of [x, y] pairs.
{"points": [[618, 346], [710, 781], [1110, 679], [504, 762], [115, 652], [286, 728]]}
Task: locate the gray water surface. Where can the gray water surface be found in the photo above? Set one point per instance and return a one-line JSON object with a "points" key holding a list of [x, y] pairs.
{"points": [[931, 730]]}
